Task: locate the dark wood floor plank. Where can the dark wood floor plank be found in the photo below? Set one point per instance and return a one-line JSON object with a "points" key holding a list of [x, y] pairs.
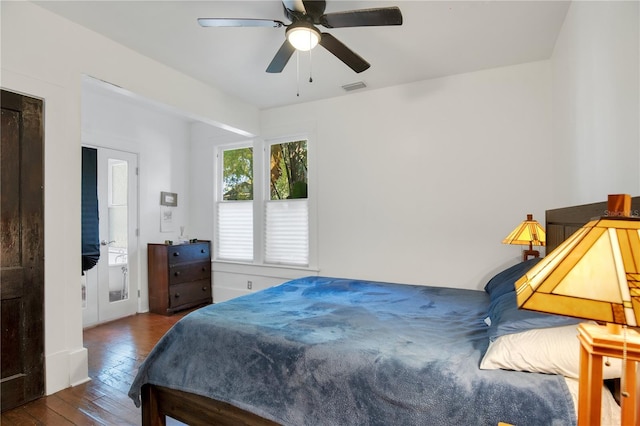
{"points": [[80, 394], [70, 412], [116, 379], [117, 396], [18, 417], [45, 415], [106, 417], [115, 352], [127, 412]]}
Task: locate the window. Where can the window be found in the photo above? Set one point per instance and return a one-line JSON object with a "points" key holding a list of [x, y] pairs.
{"points": [[286, 214], [266, 221], [234, 230]]}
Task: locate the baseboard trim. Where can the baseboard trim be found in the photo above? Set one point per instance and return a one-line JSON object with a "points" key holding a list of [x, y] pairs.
{"points": [[65, 369]]}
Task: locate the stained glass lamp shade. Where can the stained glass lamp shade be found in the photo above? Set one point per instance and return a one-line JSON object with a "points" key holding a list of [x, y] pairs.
{"points": [[530, 233], [594, 274]]}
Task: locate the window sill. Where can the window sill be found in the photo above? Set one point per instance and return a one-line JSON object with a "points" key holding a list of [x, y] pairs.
{"points": [[265, 270]]}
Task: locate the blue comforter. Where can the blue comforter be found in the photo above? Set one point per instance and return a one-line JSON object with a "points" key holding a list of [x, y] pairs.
{"points": [[325, 351]]}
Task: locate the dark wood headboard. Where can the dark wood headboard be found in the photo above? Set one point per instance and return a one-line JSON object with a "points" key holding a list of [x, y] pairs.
{"points": [[561, 223]]}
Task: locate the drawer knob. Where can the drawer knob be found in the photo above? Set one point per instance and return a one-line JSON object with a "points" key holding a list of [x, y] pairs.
{"points": [[177, 295], [177, 253], [176, 273], [204, 269], [201, 250], [204, 288]]}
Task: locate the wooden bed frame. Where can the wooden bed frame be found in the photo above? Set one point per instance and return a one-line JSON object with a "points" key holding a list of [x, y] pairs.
{"points": [[195, 410]]}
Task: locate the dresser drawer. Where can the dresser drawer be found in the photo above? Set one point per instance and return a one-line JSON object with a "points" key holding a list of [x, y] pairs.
{"points": [[187, 253], [184, 272], [192, 293]]}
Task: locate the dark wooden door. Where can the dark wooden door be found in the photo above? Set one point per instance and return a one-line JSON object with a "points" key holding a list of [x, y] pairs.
{"points": [[22, 250]]}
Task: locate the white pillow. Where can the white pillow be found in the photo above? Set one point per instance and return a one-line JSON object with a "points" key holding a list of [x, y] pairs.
{"points": [[554, 350]]}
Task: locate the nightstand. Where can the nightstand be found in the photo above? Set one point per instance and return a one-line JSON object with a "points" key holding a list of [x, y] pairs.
{"points": [[596, 342]]}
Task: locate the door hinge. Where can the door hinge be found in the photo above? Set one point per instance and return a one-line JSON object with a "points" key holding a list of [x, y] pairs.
{"points": [[138, 293], [137, 232], [137, 171]]}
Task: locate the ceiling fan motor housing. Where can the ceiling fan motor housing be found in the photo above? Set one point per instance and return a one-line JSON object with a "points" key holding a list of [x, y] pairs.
{"points": [[302, 35]]}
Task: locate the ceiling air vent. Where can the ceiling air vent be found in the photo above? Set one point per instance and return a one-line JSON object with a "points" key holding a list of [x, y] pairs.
{"points": [[354, 86]]}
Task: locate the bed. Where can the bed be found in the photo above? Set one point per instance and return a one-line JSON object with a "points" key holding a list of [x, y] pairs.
{"points": [[333, 351]]}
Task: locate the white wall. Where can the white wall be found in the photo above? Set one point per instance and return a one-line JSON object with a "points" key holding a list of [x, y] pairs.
{"points": [[596, 102], [162, 142], [45, 56], [420, 183], [204, 139]]}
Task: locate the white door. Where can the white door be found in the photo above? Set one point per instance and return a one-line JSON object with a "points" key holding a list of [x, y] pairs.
{"points": [[111, 288]]}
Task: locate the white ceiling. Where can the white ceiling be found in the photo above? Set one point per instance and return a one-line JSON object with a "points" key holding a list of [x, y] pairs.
{"points": [[437, 38]]}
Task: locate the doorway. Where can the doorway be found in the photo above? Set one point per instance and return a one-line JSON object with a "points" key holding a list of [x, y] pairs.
{"points": [[110, 289]]}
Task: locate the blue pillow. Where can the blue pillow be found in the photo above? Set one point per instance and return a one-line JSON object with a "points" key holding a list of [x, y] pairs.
{"points": [[507, 318], [504, 281]]}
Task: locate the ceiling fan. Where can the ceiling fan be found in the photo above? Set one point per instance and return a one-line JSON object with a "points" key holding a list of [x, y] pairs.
{"points": [[302, 33]]}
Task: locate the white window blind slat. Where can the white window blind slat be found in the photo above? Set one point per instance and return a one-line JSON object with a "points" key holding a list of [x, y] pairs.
{"points": [[287, 232], [234, 239]]}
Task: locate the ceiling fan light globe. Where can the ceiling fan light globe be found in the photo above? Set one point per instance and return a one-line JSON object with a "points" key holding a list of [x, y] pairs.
{"points": [[303, 38]]}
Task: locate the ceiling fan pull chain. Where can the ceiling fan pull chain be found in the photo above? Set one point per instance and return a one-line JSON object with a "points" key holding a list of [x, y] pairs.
{"points": [[310, 63], [623, 381]]}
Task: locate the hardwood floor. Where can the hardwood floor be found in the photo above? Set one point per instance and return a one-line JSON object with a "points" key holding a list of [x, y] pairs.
{"points": [[115, 351]]}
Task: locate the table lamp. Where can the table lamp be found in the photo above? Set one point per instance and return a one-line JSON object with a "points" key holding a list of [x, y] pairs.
{"points": [[530, 233], [595, 274]]}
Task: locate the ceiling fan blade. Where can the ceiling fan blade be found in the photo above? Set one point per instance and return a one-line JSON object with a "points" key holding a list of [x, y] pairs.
{"points": [[294, 5], [282, 57], [342, 52], [363, 18], [314, 8], [307, 10], [232, 22]]}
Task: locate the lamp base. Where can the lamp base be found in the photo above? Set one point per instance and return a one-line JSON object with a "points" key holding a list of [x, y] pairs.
{"points": [[527, 253], [597, 342]]}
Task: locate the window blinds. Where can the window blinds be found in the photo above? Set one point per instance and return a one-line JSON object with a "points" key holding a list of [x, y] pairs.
{"points": [[286, 232], [235, 230]]}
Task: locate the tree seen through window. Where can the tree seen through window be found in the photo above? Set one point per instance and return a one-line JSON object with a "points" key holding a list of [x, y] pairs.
{"points": [[288, 170], [237, 174]]}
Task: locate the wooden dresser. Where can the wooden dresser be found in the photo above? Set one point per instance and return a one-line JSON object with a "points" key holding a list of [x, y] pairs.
{"points": [[179, 276]]}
